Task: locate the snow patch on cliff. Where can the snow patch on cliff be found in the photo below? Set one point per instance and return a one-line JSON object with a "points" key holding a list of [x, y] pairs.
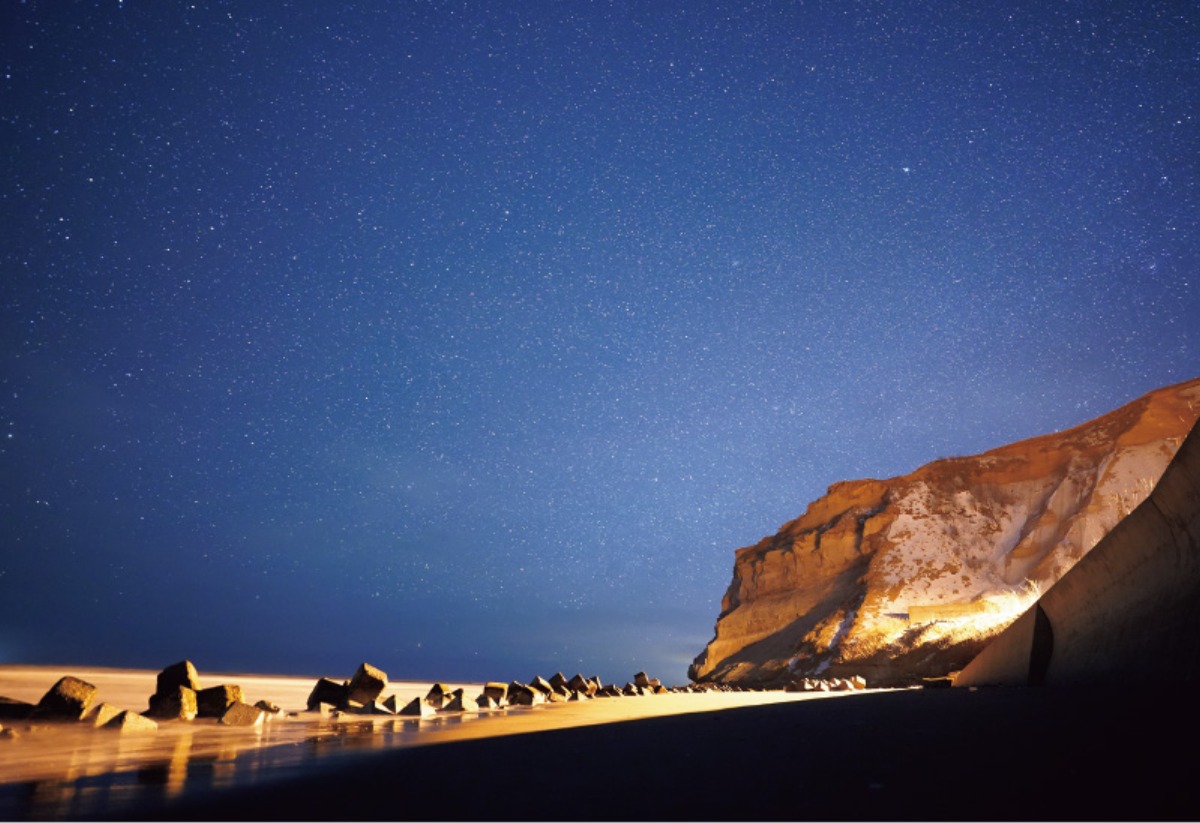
{"points": [[917, 565]]}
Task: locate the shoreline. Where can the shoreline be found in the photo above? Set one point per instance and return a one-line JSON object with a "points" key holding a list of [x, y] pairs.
{"points": [[1067, 753], [913, 754], [71, 770]]}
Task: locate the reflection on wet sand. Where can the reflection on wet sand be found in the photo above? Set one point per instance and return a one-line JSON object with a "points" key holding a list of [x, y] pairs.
{"points": [[90, 773], [57, 771]]}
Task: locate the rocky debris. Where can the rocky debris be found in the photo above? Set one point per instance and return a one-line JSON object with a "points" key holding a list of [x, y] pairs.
{"points": [[497, 692], [457, 702], [438, 695], [559, 689], [71, 698], [908, 577], [359, 695], [418, 707], [177, 703], [519, 694], [11, 709], [560, 684], [374, 707], [213, 701], [68, 699], [834, 684], [367, 684], [102, 714], [242, 714], [542, 685], [128, 721], [328, 692], [579, 683], [182, 673], [178, 695], [268, 708]]}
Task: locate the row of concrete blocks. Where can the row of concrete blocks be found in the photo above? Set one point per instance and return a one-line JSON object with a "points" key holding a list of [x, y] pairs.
{"points": [[178, 696], [361, 694], [71, 700], [836, 684]]}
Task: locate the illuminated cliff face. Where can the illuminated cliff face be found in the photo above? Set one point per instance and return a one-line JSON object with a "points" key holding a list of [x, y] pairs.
{"points": [[906, 578]]}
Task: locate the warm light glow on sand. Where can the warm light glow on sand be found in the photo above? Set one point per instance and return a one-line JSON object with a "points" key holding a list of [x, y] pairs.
{"points": [[67, 752]]}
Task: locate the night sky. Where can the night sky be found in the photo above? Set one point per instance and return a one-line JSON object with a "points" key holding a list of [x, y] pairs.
{"points": [[471, 339]]}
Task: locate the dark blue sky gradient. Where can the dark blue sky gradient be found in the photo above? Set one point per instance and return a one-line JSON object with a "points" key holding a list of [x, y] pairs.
{"points": [[471, 339]]}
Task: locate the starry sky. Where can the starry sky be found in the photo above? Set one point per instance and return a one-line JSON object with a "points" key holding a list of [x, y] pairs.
{"points": [[472, 338]]}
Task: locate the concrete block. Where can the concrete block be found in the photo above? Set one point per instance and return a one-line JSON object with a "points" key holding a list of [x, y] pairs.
{"points": [[11, 709], [457, 702], [367, 684], [177, 704], [101, 715], [328, 691], [579, 683], [437, 695], [241, 714], [418, 707], [497, 692], [178, 674], [68, 699], [213, 701], [128, 721]]}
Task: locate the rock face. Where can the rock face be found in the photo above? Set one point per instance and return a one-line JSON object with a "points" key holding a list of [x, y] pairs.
{"points": [[906, 578], [1128, 612]]}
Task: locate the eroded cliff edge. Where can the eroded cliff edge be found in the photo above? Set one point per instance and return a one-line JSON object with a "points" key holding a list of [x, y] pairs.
{"points": [[910, 577]]}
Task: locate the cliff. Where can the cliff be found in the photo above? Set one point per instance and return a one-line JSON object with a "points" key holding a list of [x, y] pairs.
{"points": [[1126, 613], [910, 577]]}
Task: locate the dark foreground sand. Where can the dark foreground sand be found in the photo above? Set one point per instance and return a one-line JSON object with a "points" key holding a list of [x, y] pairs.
{"points": [[1011, 753], [935, 754]]}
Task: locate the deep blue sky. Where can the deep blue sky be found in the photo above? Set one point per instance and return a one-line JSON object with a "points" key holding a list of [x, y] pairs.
{"points": [[471, 339]]}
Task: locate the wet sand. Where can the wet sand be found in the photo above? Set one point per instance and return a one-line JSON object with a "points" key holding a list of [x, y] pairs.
{"points": [[73, 771], [938, 754]]}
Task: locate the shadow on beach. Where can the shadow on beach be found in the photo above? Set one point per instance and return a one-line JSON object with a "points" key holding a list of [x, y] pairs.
{"points": [[934, 754]]}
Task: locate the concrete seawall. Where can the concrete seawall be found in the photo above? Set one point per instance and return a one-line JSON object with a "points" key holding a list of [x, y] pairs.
{"points": [[1129, 611]]}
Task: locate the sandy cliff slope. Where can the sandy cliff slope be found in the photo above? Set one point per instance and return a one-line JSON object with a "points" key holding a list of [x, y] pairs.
{"points": [[910, 577]]}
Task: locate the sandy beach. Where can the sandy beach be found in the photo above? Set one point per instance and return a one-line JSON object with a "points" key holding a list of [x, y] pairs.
{"points": [[933, 754], [57, 771], [936, 754]]}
